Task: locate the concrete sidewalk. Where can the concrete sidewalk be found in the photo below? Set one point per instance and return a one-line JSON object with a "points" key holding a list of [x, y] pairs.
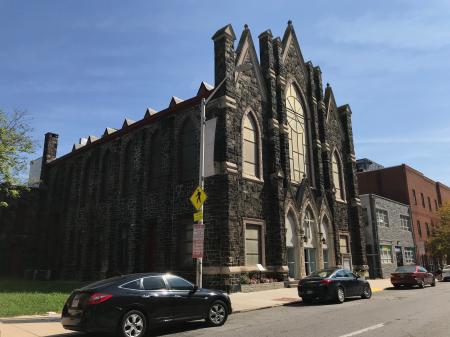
{"points": [[49, 325]]}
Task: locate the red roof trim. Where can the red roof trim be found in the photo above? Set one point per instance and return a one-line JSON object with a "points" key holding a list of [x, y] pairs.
{"points": [[144, 121]]}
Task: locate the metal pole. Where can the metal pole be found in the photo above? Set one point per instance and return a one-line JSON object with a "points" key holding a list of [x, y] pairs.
{"points": [[201, 181]]}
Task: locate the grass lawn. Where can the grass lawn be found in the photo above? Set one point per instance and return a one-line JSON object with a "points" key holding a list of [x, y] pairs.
{"points": [[24, 297]]}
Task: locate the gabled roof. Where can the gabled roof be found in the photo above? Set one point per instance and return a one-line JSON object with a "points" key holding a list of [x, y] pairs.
{"points": [[247, 48]]}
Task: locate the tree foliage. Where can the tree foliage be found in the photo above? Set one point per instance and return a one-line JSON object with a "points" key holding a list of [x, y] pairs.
{"points": [[439, 242], [15, 144]]}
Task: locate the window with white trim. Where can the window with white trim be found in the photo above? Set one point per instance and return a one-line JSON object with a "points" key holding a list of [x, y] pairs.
{"points": [[405, 224], [338, 181], [386, 254], [382, 218], [343, 244], [298, 158], [250, 151], [408, 255], [253, 249]]}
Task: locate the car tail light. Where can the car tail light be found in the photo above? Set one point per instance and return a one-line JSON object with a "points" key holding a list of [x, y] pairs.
{"points": [[97, 298], [326, 281]]}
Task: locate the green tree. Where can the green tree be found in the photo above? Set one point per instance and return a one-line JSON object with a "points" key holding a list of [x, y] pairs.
{"points": [[15, 144], [439, 241]]}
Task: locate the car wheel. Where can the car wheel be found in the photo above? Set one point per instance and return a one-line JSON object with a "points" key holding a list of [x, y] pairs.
{"points": [[134, 324], [340, 295], [421, 284], [397, 285], [367, 292], [433, 283], [217, 314]]}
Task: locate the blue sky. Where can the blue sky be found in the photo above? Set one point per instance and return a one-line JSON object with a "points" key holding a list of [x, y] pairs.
{"points": [[80, 66]]}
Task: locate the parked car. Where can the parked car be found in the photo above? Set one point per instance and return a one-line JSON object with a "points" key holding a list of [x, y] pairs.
{"points": [[412, 276], [129, 304], [446, 273], [333, 284]]}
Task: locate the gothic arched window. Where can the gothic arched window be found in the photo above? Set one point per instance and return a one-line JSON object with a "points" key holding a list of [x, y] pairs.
{"points": [[129, 169], [188, 153], [155, 160], [338, 181], [85, 190], [106, 175], [298, 158], [250, 151]]}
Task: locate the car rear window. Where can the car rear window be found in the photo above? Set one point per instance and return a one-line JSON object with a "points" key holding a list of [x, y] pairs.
{"points": [[135, 285], [102, 283], [406, 269], [322, 273]]}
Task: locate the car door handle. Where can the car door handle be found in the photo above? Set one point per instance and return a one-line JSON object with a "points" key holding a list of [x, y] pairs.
{"points": [[147, 295]]}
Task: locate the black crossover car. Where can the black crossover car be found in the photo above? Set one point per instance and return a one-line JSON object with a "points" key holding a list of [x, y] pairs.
{"points": [[333, 284], [129, 304]]}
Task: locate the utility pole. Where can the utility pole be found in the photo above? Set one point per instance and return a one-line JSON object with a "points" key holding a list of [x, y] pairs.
{"points": [[201, 175]]}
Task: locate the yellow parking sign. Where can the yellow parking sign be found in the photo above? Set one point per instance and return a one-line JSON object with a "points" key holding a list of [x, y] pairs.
{"points": [[198, 198]]}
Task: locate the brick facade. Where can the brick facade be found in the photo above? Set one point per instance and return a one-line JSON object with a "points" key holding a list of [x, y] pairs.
{"points": [[103, 212], [409, 186]]}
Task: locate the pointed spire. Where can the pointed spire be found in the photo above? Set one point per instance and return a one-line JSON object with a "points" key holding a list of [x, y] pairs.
{"points": [[174, 101], [109, 131], [227, 31], [150, 112], [91, 139], [204, 88], [127, 122], [76, 147]]}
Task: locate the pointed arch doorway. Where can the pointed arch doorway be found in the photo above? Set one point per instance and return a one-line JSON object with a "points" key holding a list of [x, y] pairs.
{"points": [[292, 249]]}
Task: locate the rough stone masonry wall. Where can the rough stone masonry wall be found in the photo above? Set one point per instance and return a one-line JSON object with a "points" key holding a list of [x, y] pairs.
{"points": [[102, 214]]}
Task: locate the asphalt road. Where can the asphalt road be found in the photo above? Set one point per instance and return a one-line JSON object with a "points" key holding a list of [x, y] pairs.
{"points": [[390, 313]]}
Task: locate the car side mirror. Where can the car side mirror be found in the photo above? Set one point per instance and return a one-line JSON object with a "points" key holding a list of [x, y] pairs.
{"points": [[194, 289]]}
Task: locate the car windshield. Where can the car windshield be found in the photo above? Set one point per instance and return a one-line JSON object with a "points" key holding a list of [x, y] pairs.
{"points": [[406, 269], [323, 273]]}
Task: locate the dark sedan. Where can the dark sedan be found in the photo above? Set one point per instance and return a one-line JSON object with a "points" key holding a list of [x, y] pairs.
{"points": [[412, 276], [333, 284], [129, 304]]}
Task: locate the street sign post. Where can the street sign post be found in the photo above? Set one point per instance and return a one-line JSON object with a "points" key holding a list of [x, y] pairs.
{"points": [[198, 237], [198, 216], [198, 198]]}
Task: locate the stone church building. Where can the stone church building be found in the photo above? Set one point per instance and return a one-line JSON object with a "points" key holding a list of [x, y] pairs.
{"points": [[282, 192]]}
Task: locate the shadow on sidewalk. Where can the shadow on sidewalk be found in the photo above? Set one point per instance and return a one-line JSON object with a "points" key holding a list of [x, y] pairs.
{"points": [[30, 320]]}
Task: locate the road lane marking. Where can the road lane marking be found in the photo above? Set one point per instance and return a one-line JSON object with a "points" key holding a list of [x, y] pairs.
{"points": [[354, 333]]}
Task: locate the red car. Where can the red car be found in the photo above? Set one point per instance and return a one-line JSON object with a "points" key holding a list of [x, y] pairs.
{"points": [[412, 276]]}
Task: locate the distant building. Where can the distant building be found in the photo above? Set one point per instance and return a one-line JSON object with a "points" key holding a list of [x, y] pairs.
{"points": [[389, 237], [34, 177], [363, 165], [406, 185]]}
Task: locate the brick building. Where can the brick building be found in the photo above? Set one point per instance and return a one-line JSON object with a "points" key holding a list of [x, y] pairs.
{"points": [[409, 186], [389, 238], [282, 187]]}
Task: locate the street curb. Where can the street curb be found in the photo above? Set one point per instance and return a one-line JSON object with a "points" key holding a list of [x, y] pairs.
{"points": [[265, 307], [374, 290]]}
